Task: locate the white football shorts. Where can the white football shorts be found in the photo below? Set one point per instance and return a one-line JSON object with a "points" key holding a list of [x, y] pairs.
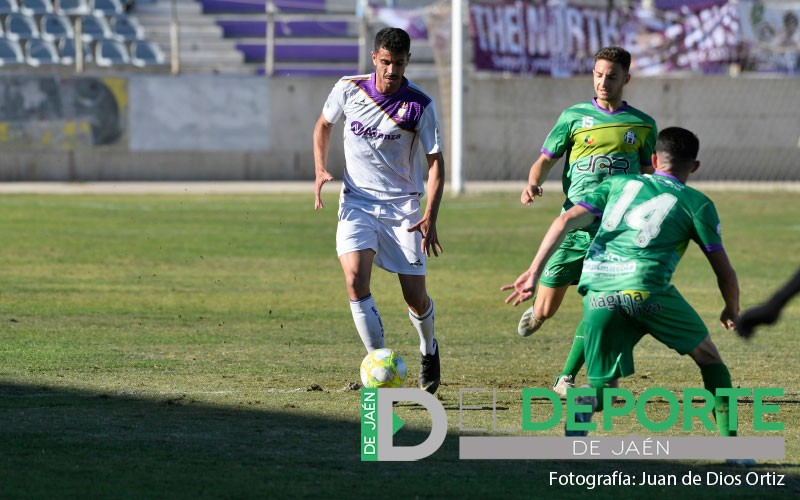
{"points": [[383, 227]]}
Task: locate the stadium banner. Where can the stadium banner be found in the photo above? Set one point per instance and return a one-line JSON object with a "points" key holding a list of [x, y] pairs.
{"points": [[771, 35], [559, 39], [410, 20]]}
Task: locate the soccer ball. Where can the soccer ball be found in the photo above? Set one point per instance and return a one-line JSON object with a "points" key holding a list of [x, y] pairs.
{"points": [[383, 368]]}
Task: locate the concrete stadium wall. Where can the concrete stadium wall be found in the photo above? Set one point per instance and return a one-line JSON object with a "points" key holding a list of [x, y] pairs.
{"points": [[158, 127]]}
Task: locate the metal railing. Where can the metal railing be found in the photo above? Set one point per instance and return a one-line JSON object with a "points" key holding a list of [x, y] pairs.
{"points": [[274, 16]]}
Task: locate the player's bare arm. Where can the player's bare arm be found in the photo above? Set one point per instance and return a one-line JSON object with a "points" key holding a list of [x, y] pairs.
{"points": [[523, 288], [322, 142], [427, 225], [538, 173], [728, 286]]}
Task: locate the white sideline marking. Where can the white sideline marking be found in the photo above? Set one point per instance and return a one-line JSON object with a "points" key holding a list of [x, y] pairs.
{"points": [[295, 187]]}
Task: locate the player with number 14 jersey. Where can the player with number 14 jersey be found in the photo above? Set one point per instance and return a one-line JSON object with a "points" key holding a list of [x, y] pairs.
{"points": [[647, 222]]}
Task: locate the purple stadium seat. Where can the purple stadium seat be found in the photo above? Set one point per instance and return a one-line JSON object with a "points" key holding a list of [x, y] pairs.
{"points": [[336, 72], [247, 28], [251, 6], [243, 28], [256, 52]]}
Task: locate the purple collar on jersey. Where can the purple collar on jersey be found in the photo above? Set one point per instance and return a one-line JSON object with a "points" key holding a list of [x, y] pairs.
{"points": [[669, 176], [404, 107], [604, 110]]}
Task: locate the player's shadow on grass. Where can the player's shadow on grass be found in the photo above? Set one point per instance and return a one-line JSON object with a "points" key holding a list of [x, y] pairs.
{"points": [[73, 443]]}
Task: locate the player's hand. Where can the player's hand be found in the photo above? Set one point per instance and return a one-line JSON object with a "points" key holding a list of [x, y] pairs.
{"points": [[322, 177], [523, 288], [530, 192], [764, 314], [727, 319], [430, 238]]}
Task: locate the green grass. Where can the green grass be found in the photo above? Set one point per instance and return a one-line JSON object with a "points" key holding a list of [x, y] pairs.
{"points": [[200, 346]]}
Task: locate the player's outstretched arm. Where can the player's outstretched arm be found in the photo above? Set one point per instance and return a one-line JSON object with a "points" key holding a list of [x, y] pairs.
{"points": [[525, 285], [768, 312], [537, 175], [728, 285], [322, 142], [427, 225]]}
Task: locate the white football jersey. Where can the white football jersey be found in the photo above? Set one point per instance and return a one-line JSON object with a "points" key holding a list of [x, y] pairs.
{"points": [[382, 137]]}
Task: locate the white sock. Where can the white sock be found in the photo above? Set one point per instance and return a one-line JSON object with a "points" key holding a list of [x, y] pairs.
{"points": [[368, 322], [424, 326]]}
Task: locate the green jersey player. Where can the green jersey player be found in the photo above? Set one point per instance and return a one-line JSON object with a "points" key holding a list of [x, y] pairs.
{"points": [[601, 138], [646, 223]]}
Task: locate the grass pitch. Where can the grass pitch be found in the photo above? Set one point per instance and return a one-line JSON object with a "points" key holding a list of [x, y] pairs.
{"points": [[201, 346]]}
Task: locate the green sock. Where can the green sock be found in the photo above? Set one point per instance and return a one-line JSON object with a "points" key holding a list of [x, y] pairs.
{"points": [[718, 377], [575, 359]]}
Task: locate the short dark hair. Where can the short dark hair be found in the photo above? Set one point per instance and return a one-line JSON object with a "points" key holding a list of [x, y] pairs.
{"points": [[679, 144], [615, 55], [394, 40]]}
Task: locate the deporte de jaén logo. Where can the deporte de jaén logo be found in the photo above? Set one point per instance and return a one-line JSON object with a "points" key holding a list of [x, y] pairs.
{"points": [[379, 424]]}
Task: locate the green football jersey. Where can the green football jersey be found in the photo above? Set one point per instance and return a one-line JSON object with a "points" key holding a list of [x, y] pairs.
{"points": [[599, 143], [646, 224]]}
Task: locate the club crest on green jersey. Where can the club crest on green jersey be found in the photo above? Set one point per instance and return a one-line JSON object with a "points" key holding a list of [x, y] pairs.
{"points": [[630, 137]]}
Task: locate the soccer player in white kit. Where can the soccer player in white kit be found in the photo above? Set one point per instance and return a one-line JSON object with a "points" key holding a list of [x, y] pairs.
{"points": [[388, 120]]}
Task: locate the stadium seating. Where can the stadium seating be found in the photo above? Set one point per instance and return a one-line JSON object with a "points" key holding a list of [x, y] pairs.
{"points": [[107, 7], [260, 6], [39, 52], [110, 52], [325, 43], [94, 28], [145, 53], [54, 27], [41, 33], [319, 37], [126, 28], [247, 28], [20, 27], [35, 7], [8, 6], [10, 53], [311, 37], [66, 47], [72, 7]]}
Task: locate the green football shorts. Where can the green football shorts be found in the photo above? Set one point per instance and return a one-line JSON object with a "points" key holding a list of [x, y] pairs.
{"points": [[565, 266], [614, 322]]}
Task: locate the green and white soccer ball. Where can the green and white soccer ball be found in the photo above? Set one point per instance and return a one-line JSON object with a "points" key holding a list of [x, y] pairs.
{"points": [[383, 368]]}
